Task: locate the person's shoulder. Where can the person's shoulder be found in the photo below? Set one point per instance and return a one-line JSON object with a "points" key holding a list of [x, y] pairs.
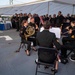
{"points": [[38, 32], [52, 33], [29, 23]]}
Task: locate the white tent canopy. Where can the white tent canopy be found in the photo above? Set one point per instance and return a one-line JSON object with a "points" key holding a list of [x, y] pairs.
{"points": [[67, 1], [41, 7]]}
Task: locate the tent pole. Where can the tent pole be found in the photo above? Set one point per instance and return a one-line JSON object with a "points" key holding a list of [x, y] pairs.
{"points": [[73, 9], [48, 8]]}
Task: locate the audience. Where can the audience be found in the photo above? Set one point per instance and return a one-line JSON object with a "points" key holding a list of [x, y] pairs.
{"points": [[65, 23]]}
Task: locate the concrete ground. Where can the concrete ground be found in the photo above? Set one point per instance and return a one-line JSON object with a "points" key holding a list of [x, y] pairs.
{"points": [[12, 63]]}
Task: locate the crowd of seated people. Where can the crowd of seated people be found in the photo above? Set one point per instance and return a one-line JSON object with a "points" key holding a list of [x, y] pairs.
{"points": [[66, 24]]}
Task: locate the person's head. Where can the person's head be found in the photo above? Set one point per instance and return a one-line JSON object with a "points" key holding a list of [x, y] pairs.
{"points": [[59, 13], [25, 14], [47, 24], [21, 14], [70, 30], [32, 19], [24, 23], [29, 15], [67, 21], [73, 23], [16, 14], [54, 15], [46, 15], [68, 15]]}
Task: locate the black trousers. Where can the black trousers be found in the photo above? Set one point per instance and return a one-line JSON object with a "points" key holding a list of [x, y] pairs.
{"points": [[32, 39], [24, 41], [67, 45], [64, 49], [17, 25]]}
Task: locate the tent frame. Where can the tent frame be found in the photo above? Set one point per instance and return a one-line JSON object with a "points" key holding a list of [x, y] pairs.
{"points": [[41, 1]]}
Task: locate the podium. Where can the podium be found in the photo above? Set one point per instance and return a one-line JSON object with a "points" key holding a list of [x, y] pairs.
{"points": [[2, 27]]}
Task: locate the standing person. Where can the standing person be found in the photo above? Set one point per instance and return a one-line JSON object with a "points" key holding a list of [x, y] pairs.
{"points": [[17, 21], [23, 38], [37, 20], [13, 21], [53, 20], [20, 19], [59, 19], [47, 39]]}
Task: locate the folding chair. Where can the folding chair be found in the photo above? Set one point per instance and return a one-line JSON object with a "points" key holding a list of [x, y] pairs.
{"points": [[67, 41], [69, 50], [22, 44], [46, 56]]}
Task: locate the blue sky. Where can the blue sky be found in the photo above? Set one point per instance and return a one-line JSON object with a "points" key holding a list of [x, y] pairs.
{"points": [[6, 2]]}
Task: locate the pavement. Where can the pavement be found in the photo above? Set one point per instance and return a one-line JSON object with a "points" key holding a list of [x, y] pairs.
{"points": [[12, 63]]}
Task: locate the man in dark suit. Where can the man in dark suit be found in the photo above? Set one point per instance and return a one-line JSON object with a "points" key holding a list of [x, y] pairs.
{"points": [[48, 39], [59, 19]]}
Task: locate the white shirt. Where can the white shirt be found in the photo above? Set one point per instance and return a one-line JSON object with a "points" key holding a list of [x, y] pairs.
{"points": [[0, 19], [55, 30]]}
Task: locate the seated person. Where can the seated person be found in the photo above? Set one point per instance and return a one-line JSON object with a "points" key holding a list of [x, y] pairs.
{"points": [[47, 39], [23, 38], [71, 26], [65, 25], [33, 37], [68, 44]]}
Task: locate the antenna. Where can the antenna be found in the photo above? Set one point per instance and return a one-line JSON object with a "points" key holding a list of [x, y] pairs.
{"points": [[11, 2]]}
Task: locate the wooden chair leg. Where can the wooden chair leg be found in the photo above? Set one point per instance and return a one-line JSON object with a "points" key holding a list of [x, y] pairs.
{"points": [[19, 48]]}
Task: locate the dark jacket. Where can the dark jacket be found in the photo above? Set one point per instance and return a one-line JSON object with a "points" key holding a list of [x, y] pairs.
{"points": [[22, 32], [47, 39]]}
